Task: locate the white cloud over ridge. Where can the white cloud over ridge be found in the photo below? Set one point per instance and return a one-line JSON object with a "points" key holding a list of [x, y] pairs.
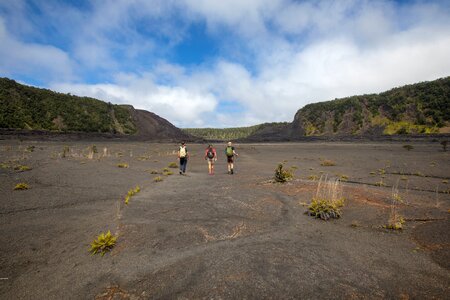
{"points": [[301, 52]]}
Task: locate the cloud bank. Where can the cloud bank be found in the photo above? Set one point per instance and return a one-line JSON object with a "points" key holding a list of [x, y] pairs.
{"points": [[273, 57]]}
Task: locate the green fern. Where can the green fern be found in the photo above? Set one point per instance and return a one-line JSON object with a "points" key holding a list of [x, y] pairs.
{"points": [[103, 243], [21, 186]]}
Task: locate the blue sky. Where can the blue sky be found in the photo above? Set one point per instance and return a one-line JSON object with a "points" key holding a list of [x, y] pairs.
{"points": [[207, 63]]}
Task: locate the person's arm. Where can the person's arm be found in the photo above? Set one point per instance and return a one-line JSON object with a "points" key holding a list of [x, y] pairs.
{"points": [[206, 153], [215, 154], [234, 152]]}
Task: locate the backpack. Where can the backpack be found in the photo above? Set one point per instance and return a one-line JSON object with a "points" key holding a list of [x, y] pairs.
{"points": [[210, 153], [229, 151], [182, 152]]}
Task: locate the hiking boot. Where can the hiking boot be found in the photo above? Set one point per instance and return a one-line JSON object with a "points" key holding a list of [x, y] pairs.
{"points": [[232, 171], [181, 173]]}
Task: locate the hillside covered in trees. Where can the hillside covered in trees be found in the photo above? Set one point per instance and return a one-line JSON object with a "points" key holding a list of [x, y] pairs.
{"points": [[25, 107], [228, 134], [30, 108], [420, 108]]}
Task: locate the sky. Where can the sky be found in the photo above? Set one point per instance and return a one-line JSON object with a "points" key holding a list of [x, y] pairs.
{"points": [[208, 63]]}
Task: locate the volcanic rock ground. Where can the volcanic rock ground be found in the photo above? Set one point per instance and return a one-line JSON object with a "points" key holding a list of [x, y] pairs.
{"points": [[223, 236]]}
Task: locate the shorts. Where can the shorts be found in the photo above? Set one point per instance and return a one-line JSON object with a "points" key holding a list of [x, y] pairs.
{"points": [[230, 159], [211, 160]]}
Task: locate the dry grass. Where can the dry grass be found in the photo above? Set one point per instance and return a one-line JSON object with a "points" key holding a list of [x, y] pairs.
{"points": [[395, 221], [122, 165], [158, 179], [327, 163], [328, 199], [173, 165]]}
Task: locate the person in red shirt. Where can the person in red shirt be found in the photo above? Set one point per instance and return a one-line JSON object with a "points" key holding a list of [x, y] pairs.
{"points": [[211, 157]]}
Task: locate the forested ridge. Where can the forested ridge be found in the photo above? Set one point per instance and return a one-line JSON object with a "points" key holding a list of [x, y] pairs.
{"points": [[417, 108], [227, 134], [25, 107]]}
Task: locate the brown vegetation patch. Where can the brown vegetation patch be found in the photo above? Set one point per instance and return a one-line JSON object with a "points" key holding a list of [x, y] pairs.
{"points": [[114, 292]]}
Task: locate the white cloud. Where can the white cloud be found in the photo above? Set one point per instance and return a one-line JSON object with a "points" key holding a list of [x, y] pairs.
{"points": [[43, 61], [278, 55], [181, 106]]}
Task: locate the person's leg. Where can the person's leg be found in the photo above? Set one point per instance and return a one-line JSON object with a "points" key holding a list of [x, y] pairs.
{"points": [[232, 167], [181, 165], [212, 168], [184, 165], [209, 166]]}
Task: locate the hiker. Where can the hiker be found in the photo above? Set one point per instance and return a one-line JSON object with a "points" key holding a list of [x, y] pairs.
{"points": [[211, 157], [183, 156], [230, 153]]}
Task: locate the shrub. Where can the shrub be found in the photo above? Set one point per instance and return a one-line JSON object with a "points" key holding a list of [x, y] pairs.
{"points": [[65, 152], [313, 177], [131, 193], [157, 179], [21, 186], [173, 165], [21, 168], [282, 175], [103, 243], [327, 201], [408, 147], [122, 165], [380, 183], [343, 177], [327, 163]]}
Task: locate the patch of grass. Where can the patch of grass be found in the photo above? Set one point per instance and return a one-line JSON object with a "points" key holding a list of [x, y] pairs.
{"points": [[167, 173], [158, 179], [327, 200], [395, 221], [327, 163], [403, 178], [294, 167], [123, 165], [420, 174], [372, 173], [282, 175], [445, 181], [343, 177], [21, 186], [173, 165], [408, 147], [103, 244], [355, 224], [313, 177], [166, 170], [131, 193], [30, 148], [65, 152], [154, 172], [380, 183], [381, 171], [21, 168]]}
